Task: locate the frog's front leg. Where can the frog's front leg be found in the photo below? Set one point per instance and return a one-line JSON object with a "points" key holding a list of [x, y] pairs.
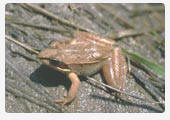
{"points": [[115, 69], [72, 91]]}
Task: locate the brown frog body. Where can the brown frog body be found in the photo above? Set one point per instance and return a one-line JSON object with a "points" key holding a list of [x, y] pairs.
{"points": [[85, 55]]}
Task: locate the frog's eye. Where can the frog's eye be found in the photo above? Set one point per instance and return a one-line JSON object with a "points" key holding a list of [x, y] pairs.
{"points": [[55, 62]]}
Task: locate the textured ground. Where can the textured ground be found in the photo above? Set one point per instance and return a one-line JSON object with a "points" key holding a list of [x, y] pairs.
{"points": [[31, 87]]}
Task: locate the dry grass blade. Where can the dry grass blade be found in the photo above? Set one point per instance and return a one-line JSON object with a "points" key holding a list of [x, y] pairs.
{"points": [[51, 15]]}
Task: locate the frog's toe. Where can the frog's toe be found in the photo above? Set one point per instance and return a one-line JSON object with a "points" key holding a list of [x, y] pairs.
{"points": [[63, 101], [59, 100]]}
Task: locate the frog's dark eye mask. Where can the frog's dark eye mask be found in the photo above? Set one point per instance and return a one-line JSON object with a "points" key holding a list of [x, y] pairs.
{"points": [[53, 62]]}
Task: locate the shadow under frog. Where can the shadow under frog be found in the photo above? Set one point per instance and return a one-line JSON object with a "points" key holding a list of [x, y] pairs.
{"points": [[48, 77]]}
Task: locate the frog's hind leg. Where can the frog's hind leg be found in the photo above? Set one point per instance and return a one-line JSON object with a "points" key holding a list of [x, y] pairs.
{"points": [[72, 91], [115, 70]]}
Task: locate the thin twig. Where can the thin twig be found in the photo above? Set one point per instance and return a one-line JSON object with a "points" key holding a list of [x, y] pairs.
{"points": [[116, 36], [21, 44], [147, 83], [139, 11], [40, 27], [129, 33], [118, 17], [117, 90], [124, 33], [51, 15]]}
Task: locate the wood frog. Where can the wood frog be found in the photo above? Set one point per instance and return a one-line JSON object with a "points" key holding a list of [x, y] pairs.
{"points": [[85, 55]]}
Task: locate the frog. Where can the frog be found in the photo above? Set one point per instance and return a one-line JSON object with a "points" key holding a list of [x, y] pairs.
{"points": [[83, 55]]}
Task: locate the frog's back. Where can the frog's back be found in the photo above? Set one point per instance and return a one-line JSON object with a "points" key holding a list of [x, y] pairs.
{"points": [[85, 48]]}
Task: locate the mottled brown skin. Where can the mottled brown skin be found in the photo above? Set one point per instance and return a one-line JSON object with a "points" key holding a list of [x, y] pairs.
{"points": [[84, 55]]}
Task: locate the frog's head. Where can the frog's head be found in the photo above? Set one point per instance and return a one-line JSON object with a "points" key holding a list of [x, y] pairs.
{"points": [[50, 57]]}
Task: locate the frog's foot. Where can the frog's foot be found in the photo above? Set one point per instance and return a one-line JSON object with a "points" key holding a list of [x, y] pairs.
{"points": [[66, 100], [73, 90]]}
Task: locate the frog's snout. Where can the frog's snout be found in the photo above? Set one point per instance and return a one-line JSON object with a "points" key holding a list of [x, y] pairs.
{"points": [[46, 53]]}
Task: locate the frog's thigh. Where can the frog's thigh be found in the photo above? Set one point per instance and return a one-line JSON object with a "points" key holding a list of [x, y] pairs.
{"points": [[114, 70], [73, 90]]}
